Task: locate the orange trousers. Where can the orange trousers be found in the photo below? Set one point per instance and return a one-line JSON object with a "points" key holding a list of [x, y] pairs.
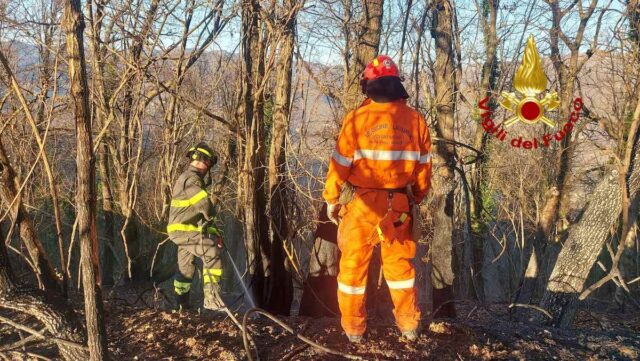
{"points": [[376, 216]]}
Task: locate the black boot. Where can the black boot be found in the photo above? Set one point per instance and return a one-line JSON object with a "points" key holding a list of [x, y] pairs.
{"points": [[182, 302]]}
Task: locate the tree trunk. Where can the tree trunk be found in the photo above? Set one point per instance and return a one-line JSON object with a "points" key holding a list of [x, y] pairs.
{"points": [[50, 309], [251, 196], [320, 295], [102, 112], [477, 180], [280, 295], [73, 23], [535, 253], [443, 177], [487, 90], [579, 253], [405, 28], [9, 183], [365, 48], [416, 70], [320, 292], [108, 207]]}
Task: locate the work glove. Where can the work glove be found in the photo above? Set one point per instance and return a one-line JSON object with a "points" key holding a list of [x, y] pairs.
{"points": [[210, 231], [332, 212]]}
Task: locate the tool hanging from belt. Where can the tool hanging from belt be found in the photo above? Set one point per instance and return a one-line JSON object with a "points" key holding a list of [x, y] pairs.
{"points": [[388, 226], [416, 225]]}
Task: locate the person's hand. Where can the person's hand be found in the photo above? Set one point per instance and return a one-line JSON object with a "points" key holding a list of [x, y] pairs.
{"points": [[332, 212]]}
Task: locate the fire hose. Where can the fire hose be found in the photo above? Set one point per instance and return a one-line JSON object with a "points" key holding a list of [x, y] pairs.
{"points": [[246, 338]]}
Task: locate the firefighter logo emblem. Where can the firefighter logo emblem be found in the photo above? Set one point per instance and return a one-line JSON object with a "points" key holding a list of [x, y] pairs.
{"points": [[530, 81], [529, 106], [387, 63]]}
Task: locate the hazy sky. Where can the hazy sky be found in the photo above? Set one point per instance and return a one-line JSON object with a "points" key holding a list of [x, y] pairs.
{"points": [[319, 33]]}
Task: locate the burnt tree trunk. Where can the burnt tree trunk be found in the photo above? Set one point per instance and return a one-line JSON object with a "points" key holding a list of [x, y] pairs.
{"points": [[320, 295], [280, 287], [252, 199], [579, 253], [47, 307], [442, 274], [73, 23], [102, 111]]}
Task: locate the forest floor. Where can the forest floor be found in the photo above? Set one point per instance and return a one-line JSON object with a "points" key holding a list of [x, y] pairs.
{"points": [[137, 331]]}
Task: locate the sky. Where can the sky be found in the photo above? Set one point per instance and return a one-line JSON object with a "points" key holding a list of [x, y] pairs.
{"points": [[319, 33]]}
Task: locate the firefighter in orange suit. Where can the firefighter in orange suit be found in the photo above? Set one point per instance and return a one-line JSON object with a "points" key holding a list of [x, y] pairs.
{"points": [[383, 154]]}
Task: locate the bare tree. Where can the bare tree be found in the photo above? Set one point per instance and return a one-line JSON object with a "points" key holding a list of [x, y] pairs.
{"points": [[252, 157], [279, 198], [363, 45], [488, 13], [73, 23], [443, 176]]}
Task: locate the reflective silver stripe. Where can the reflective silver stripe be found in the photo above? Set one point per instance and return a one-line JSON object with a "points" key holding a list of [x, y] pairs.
{"points": [[398, 285], [342, 160], [425, 158], [374, 154], [351, 290]]}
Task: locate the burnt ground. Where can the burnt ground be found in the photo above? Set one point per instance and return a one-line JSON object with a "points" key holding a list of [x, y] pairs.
{"points": [[486, 334], [139, 332]]}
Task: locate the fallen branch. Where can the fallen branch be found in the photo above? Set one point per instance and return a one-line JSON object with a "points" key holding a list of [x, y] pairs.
{"points": [[289, 329], [42, 336], [21, 342], [537, 308]]}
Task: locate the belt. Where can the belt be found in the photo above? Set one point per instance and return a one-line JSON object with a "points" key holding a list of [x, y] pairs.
{"points": [[395, 190], [390, 190]]}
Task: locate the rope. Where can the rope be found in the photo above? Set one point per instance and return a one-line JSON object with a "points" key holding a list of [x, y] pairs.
{"points": [[245, 335]]}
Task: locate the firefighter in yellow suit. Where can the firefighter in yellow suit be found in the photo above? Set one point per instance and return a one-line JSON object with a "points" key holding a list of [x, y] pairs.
{"points": [[190, 228]]}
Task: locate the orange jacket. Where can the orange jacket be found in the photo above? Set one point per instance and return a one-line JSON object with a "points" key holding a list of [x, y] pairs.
{"points": [[381, 145]]}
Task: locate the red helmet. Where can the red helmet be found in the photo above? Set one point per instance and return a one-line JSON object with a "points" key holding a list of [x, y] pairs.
{"points": [[381, 66]]}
